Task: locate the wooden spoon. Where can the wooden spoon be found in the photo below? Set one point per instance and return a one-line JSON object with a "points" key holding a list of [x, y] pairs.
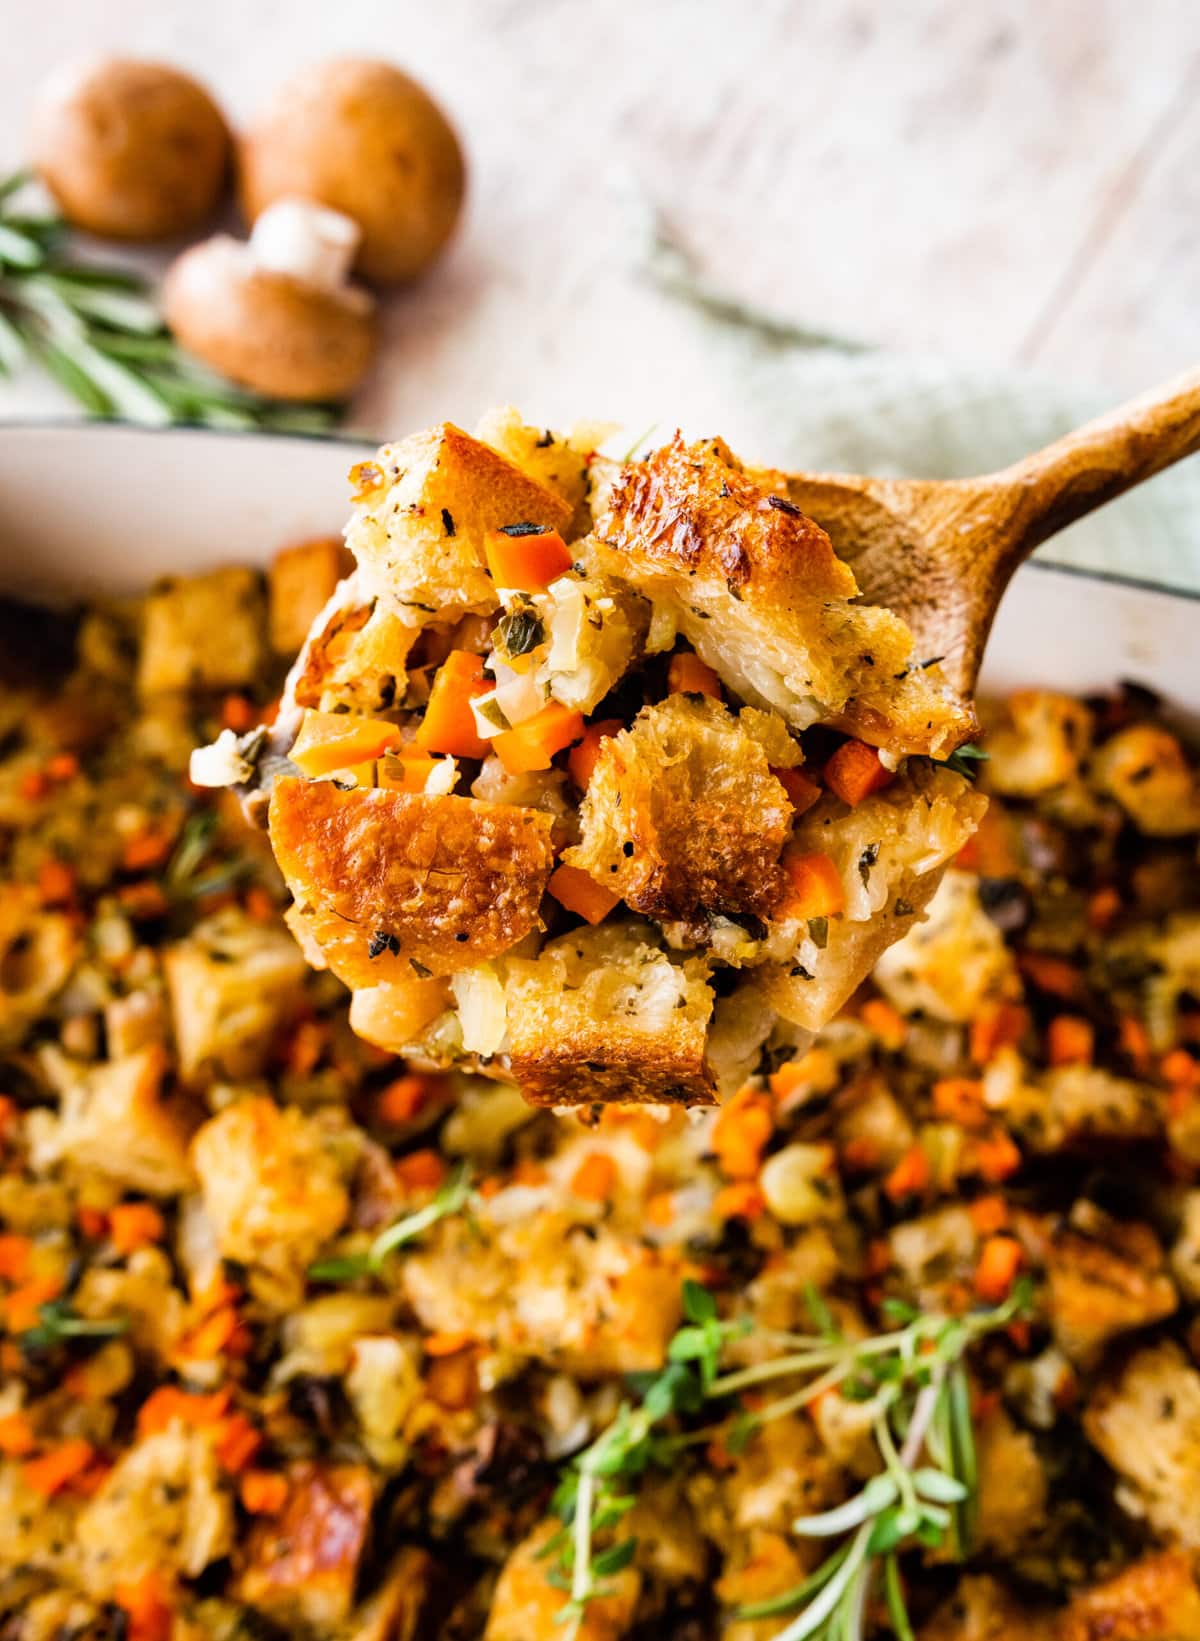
{"points": [[940, 552]]}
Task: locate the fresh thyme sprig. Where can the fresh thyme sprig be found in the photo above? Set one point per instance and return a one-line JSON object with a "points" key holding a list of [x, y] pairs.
{"points": [[98, 332], [58, 1321], [914, 1379], [965, 760], [451, 1198]]}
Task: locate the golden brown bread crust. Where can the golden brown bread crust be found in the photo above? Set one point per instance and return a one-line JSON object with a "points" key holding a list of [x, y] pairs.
{"points": [[354, 656], [454, 881], [301, 1566], [683, 817], [425, 505], [1154, 1599], [756, 587]]}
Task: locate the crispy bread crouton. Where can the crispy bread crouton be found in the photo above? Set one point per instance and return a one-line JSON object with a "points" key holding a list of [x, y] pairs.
{"points": [[603, 1014], [954, 961], [1145, 1420], [683, 817], [395, 1611], [1154, 1599], [37, 950], [272, 1186], [1146, 770], [1039, 743], [526, 1605], [354, 656], [982, 1609], [299, 583], [1105, 1278], [116, 1122], [301, 1566], [557, 460], [424, 507], [234, 983], [203, 632], [1012, 1485], [451, 880], [756, 587]]}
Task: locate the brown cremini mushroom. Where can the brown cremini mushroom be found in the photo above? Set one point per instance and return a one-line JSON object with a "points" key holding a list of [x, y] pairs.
{"points": [[276, 313], [128, 149], [365, 139]]}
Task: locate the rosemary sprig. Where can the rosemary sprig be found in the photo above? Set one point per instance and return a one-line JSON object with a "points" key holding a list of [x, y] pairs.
{"points": [[181, 878], [914, 1379], [98, 332], [451, 1198]]}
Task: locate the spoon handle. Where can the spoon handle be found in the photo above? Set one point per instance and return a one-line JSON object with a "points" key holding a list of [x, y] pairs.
{"points": [[1098, 462]]}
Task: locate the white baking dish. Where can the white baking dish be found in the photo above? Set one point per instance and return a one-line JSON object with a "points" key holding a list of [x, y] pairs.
{"points": [[101, 508]]}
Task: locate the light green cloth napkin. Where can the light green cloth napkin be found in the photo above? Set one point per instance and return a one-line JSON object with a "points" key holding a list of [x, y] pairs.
{"points": [[821, 403]]}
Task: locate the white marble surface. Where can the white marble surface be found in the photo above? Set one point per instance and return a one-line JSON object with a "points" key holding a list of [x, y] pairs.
{"points": [[1006, 181]]}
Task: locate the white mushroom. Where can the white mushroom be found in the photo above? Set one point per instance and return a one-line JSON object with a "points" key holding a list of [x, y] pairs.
{"points": [[276, 313]]}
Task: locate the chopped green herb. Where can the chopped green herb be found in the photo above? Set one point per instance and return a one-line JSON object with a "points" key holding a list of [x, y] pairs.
{"points": [[965, 760], [451, 1198], [520, 632], [58, 1321]]}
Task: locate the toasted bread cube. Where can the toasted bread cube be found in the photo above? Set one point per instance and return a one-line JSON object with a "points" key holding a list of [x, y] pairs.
{"points": [[424, 508], [557, 460], [1105, 1279], [890, 853], [983, 1609], [1145, 1420], [526, 1605], [272, 1186], [300, 583], [354, 656], [395, 1611], [37, 951], [450, 880], [164, 1505], [1012, 1485], [203, 632], [1146, 770], [1154, 1599], [683, 818], [604, 1014], [1038, 744], [757, 589], [234, 985], [116, 1123], [301, 1566], [949, 965]]}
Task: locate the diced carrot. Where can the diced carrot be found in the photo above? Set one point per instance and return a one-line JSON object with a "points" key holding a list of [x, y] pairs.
{"points": [[997, 1026], [1178, 1068], [206, 1341], [23, 1304], [92, 1222], [447, 1343], [1053, 975], [888, 1024], [999, 1262], [583, 756], [960, 1100], [741, 1200], [687, 674], [742, 1131], [579, 892], [146, 850], [532, 744], [1135, 1042], [259, 905], [1103, 908], [420, 1170], [878, 1256], [814, 887], [595, 1177], [168, 1403], [51, 1471], [329, 741], [56, 883], [237, 1443], [263, 1492], [143, 900], [305, 1046], [10, 1117], [801, 789], [452, 1381], [239, 713], [815, 1072], [660, 1208], [17, 1439], [16, 1255], [1070, 1041], [406, 774], [528, 1171], [406, 1096], [449, 724], [910, 1175], [996, 1156], [1180, 1100], [133, 1225], [528, 560], [148, 1607], [988, 1214], [855, 771]]}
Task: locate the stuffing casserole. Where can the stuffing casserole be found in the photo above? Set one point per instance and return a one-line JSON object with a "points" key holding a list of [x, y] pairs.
{"points": [[595, 771], [298, 1340]]}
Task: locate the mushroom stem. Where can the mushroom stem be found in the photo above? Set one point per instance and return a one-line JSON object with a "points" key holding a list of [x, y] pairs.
{"points": [[307, 241]]}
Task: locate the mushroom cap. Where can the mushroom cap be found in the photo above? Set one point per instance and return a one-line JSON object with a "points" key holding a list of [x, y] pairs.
{"points": [[129, 149], [364, 138], [269, 331]]}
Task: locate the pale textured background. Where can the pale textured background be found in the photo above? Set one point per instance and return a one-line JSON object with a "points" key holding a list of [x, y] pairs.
{"points": [[1005, 183]]}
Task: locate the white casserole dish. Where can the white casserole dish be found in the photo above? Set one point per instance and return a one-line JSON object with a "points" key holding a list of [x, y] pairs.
{"points": [[103, 508]]}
